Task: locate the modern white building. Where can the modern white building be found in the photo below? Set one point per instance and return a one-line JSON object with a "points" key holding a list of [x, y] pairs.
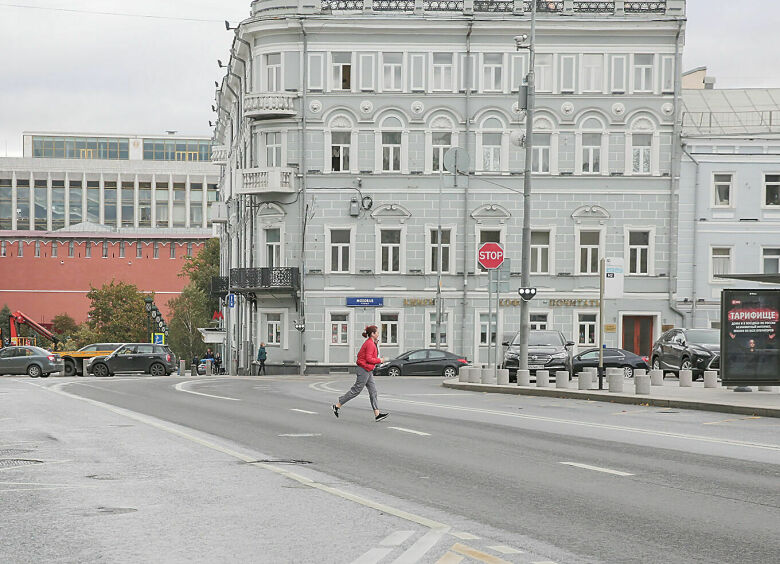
{"points": [[333, 121]]}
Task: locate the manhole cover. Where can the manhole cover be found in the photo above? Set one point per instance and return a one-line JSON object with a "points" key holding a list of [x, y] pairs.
{"points": [[11, 462], [280, 461], [14, 451]]}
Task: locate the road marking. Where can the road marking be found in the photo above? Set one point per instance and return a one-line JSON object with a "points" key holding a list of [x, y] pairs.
{"points": [[478, 554], [597, 468], [464, 536], [373, 556], [300, 435], [304, 411], [730, 420], [180, 387], [405, 430], [415, 552], [450, 558], [505, 549], [397, 538]]}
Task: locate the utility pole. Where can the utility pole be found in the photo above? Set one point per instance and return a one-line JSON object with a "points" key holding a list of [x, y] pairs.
{"points": [[525, 256], [438, 267]]}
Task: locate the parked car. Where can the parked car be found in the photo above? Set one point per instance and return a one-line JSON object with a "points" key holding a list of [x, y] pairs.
{"points": [[547, 350], [33, 361], [157, 360], [687, 349], [613, 358], [423, 362]]}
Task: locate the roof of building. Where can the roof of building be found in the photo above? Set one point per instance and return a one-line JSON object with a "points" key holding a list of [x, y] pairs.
{"points": [[737, 111]]}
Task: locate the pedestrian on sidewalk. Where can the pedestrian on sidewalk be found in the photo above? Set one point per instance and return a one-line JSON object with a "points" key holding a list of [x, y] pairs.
{"points": [[261, 356], [367, 358]]}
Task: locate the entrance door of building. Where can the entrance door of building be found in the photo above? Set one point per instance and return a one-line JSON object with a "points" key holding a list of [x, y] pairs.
{"points": [[638, 334]]}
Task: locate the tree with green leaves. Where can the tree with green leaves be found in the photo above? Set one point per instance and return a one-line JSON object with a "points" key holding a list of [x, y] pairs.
{"points": [[117, 313], [64, 326], [201, 268], [189, 311], [5, 325]]}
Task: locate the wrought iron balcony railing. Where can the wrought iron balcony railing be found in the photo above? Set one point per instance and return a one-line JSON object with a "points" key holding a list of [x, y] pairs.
{"points": [[245, 280], [219, 286], [594, 7], [394, 5], [269, 104]]}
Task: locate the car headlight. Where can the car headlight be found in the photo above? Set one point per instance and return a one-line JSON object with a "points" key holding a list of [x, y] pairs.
{"points": [[512, 355], [560, 355]]}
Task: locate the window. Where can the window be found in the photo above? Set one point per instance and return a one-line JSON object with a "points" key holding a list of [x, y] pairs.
{"points": [[144, 204], [538, 322], [442, 329], [122, 249], [339, 329], [57, 204], [592, 73], [586, 329], [80, 148], [340, 142], [177, 150], [74, 197], [54, 249], [316, 62], [105, 249], [139, 250], [156, 247], [487, 236], [341, 72], [440, 141], [179, 204], [88, 249], [442, 72], [619, 74], [722, 189], [273, 247], [638, 252], [6, 203], [540, 252], [273, 326], [589, 252], [41, 205], [446, 239], [390, 250], [771, 260], [273, 149], [161, 203], [492, 72], [641, 147], [366, 72], [340, 240], [772, 190], [3, 249], [388, 328], [71, 249], [37, 249], [273, 72], [391, 151], [541, 153], [189, 249], [491, 152], [568, 73], [196, 205], [173, 250], [519, 64], [487, 329], [417, 76], [643, 73], [128, 204], [543, 70], [721, 260], [591, 153], [392, 72], [109, 203]]}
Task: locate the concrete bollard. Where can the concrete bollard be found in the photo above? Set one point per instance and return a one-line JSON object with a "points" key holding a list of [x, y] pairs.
{"points": [[562, 379], [686, 378], [208, 367], [542, 378], [475, 375], [503, 376], [640, 372], [463, 374], [642, 384], [710, 379], [487, 376], [524, 378], [584, 380], [656, 378], [669, 375], [615, 380], [182, 367]]}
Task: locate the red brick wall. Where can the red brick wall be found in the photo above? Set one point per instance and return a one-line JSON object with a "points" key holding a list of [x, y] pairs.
{"points": [[46, 286]]}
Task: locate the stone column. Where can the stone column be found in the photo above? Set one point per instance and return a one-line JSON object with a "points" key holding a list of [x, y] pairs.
{"points": [[585, 380], [710, 379], [562, 379]]}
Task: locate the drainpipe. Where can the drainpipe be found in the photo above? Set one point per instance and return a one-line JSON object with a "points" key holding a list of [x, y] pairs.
{"points": [[466, 261], [304, 200], [695, 233], [675, 176]]}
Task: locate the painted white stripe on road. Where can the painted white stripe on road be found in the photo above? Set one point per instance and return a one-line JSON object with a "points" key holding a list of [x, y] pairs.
{"points": [[597, 468], [373, 556], [464, 536], [505, 549], [450, 558], [180, 387], [404, 430], [415, 552], [304, 411], [397, 538], [301, 435]]}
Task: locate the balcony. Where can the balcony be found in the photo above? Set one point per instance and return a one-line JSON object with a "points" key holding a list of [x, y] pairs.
{"points": [[219, 286], [219, 154], [282, 280], [259, 181], [267, 105]]}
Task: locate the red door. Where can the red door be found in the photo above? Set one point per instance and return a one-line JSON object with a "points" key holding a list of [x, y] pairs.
{"points": [[638, 334]]}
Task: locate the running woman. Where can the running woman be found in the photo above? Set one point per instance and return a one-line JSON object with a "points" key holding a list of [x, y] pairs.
{"points": [[367, 359]]}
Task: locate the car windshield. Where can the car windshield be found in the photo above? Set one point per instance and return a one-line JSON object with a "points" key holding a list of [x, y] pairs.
{"points": [[541, 339], [704, 336]]}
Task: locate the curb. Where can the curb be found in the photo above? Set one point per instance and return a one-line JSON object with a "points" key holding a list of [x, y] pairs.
{"points": [[615, 398]]}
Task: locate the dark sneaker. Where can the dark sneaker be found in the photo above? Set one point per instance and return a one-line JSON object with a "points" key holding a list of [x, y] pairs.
{"points": [[335, 410], [381, 416]]}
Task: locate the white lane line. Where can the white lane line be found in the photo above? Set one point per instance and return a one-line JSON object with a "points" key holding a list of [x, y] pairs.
{"points": [[180, 387], [505, 549], [597, 468], [373, 556], [397, 538], [304, 411], [404, 430], [415, 552], [450, 558], [301, 435], [464, 536]]}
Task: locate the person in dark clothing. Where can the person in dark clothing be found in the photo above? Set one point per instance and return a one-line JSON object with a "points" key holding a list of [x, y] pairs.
{"points": [[261, 356], [367, 359]]}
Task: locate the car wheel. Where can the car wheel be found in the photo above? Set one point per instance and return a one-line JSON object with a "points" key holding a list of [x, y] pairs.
{"points": [[70, 368], [686, 364], [450, 372], [628, 372], [157, 369], [100, 370], [394, 371], [34, 371], [656, 364]]}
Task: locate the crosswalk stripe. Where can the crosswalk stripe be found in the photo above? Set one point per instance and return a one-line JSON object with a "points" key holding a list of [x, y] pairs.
{"points": [[415, 552], [464, 536], [397, 538], [304, 411], [373, 556], [450, 558], [505, 549], [477, 554]]}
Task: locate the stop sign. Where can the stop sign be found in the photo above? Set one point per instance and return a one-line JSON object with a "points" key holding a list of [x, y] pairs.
{"points": [[490, 255]]}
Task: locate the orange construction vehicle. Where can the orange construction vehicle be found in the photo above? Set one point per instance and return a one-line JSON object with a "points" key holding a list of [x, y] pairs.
{"points": [[18, 318]]}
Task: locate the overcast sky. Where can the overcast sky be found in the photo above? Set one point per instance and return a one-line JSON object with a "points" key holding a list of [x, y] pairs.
{"points": [[80, 72]]}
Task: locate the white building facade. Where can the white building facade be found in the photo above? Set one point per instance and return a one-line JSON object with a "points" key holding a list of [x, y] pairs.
{"points": [[333, 123]]}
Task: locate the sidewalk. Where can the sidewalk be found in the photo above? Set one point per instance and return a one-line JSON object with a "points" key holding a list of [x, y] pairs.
{"points": [[764, 404]]}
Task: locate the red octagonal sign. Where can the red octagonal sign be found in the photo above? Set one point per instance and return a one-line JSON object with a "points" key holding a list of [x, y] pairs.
{"points": [[491, 255]]}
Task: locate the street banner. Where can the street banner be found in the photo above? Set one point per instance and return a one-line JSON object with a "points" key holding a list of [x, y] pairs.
{"points": [[750, 343]]}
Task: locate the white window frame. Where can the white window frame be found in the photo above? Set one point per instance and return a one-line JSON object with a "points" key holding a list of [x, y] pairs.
{"points": [[519, 70], [544, 73], [589, 154], [350, 344], [615, 86], [550, 251], [264, 244], [645, 88], [378, 322], [576, 329], [316, 61], [367, 64], [350, 246], [568, 83], [401, 247], [650, 230], [415, 59], [643, 150], [379, 146], [274, 85], [283, 327], [493, 69], [764, 190], [548, 319], [400, 67], [441, 150], [643, 125], [712, 248], [332, 72], [587, 73], [502, 130], [764, 257], [440, 66], [603, 148], [278, 149], [430, 325], [577, 247], [453, 249], [714, 185]]}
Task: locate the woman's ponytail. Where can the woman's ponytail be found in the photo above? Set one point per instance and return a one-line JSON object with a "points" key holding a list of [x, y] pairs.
{"points": [[369, 330]]}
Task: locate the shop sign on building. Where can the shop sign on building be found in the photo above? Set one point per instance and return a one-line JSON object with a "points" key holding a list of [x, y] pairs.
{"points": [[365, 302]]}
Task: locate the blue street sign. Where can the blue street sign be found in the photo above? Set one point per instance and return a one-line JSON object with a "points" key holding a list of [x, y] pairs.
{"points": [[158, 338], [231, 300], [365, 302]]}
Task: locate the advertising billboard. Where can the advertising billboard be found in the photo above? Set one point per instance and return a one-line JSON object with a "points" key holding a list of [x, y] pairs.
{"points": [[750, 343]]}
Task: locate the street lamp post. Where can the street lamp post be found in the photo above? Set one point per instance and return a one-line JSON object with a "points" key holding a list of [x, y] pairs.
{"points": [[525, 256]]}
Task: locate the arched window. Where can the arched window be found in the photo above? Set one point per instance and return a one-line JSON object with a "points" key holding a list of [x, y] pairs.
{"points": [[391, 146], [492, 146], [641, 147], [592, 150], [542, 146], [439, 138], [340, 145]]}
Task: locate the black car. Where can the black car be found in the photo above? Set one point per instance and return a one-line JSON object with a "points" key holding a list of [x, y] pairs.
{"points": [[687, 349], [157, 360], [613, 358], [423, 362], [547, 350]]}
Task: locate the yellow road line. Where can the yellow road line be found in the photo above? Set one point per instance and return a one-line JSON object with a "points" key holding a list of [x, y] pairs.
{"points": [[478, 554]]}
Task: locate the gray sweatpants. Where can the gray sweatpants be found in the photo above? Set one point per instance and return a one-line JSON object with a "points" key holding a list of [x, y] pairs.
{"points": [[365, 379]]}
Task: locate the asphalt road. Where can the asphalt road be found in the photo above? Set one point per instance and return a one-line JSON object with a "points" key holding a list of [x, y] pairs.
{"points": [[599, 481]]}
